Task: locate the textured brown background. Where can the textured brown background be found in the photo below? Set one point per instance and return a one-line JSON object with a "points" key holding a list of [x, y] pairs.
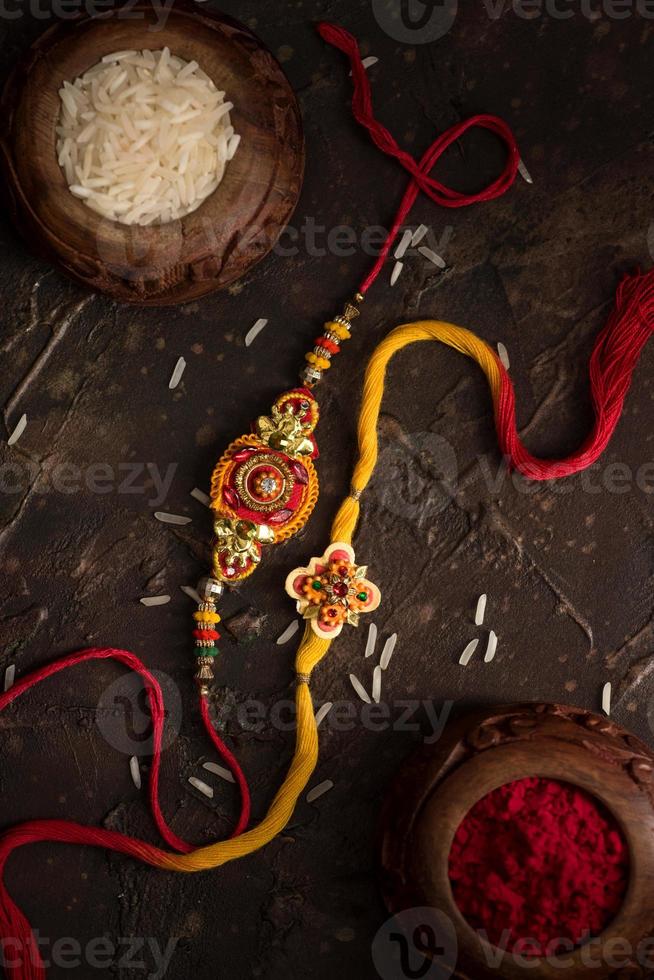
{"points": [[569, 574]]}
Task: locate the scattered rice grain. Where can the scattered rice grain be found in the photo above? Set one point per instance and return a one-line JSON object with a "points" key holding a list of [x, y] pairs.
{"points": [[319, 790], [154, 600], [172, 518], [323, 711], [464, 659], [135, 771], [419, 234], [387, 652], [480, 611], [431, 255], [289, 632], [18, 431], [200, 495], [372, 640], [10, 677], [503, 355], [395, 274], [360, 689], [176, 376], [201, 787], [524, 173], [376, 684], [254, 331], [606, 698], [404, 243], [191, 593], [219, 771], [491, 647]]}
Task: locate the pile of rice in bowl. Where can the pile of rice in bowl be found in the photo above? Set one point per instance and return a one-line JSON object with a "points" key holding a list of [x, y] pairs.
{"points": [[144, 137]]}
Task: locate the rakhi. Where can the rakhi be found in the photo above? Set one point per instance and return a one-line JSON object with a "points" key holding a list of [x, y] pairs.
{"points": [[263, 490]]}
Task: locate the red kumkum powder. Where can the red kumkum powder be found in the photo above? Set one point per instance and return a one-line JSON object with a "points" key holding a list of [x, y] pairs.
{"points": [[537, 862]]}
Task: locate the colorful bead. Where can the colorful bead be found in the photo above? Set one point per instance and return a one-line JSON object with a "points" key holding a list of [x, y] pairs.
{"points": [[206, 617], [339, 329], [206, 634], [328, 344]]}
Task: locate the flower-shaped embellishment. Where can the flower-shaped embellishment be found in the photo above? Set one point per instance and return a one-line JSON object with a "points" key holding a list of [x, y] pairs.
{"points": [[333, 590]]}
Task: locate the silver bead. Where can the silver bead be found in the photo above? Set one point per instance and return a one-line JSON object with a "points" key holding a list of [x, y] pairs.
{"points": [[210, 588], [310, 375]]}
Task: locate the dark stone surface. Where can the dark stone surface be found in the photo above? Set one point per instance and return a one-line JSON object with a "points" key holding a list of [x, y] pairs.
{"points": [[568, 569]]}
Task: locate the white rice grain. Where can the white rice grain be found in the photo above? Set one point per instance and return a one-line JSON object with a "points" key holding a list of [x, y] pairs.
{"points": [[464, 659], [10, 677], [376, 684], [524, 173], [606, 698], [178, 371], [219, 771], [480, 611], [191, 593], [372, 640], [165, 518], [154, 600], [404, 244], [419, 234], [254, 331], [17, 432], [360, 689], [200, 495], [387, 652], [503, 355], [432, 257], [201, 787], [323, 711], [288, 633], [135, 771], [491, 647], [395, 274], [319, 790]]}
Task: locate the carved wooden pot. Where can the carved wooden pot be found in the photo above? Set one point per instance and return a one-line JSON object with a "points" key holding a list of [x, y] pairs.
{"points": [[204, 251], [480, 752]]}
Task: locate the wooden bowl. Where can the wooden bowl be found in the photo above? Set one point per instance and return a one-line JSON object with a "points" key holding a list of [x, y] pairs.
{"points": [[205, 250], [480, 752]]}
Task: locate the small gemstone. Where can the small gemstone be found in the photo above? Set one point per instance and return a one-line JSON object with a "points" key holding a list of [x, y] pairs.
{"points": [[269, 484], [340, 589], [230, 571], [317, 585], [331, 613], [362, 596]]}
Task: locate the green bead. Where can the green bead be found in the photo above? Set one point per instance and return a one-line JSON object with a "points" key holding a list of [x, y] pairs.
{"points": [[317, 585], [206, 651], [362, 596]]}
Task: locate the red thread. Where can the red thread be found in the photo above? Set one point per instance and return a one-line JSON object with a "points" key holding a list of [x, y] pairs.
{"points": [[420, 171], [615, 355], [22, 960]]}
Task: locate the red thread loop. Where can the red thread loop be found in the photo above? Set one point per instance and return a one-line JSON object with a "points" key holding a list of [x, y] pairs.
{"points": [[422, 180]]}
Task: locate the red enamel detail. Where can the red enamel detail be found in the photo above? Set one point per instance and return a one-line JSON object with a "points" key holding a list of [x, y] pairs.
{"points": [[299, 472]]}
